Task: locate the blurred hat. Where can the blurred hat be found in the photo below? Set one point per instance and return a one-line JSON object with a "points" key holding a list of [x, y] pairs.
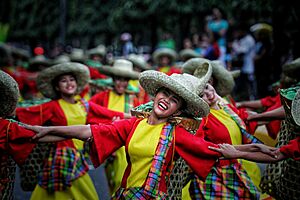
{"points": [[224, 79], [292, 69], [61, 59], [99, 50], [235, 73], [261, 27], [125, 36], [138, 61], [122, 68], [38, 60], [157, 54], [9, 94], [186, 54], [46, 77], [184, 85], [77, 55]]}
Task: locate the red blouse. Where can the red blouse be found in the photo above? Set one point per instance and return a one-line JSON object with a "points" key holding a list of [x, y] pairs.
{"points": [[15, 141], [51, 113], [271, 103], [292, 149], [194, 150]]}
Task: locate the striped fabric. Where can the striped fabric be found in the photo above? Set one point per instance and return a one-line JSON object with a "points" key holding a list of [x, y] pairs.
{"points": [[151, 188], [226, 182], [63, 166]]}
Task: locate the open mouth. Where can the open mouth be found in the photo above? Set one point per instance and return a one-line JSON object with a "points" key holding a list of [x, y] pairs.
{"points": [[162, 106]]}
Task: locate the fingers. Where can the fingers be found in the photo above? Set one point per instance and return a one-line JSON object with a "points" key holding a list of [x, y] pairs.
{"points": [[215, 149]]}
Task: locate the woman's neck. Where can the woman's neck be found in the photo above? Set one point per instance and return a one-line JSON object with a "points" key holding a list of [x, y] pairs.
{"points": [[153, 119], [69, 99]]}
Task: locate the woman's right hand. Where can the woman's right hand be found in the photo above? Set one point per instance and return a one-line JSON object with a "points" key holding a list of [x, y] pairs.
{"points": [[40, 131]]}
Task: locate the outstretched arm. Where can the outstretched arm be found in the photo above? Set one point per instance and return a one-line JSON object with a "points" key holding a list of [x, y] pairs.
{"points": [[249, 104], [230, 152], [257, 148], [82, 132], [276, 114]]}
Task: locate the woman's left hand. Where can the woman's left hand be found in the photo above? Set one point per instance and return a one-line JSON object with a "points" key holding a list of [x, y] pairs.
{"points": [[227, 150]]}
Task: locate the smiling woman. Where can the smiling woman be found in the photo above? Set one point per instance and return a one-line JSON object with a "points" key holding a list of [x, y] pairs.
{"points": [[62, 83], [153, 140]]}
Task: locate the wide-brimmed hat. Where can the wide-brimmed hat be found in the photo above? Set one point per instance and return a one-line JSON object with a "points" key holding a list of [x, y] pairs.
{"points": [[99, 50], [223, 78], [186, 54], [39, 60], [46, 77], [121, 68], [292, 69], [184, 85], [200, 68], [157, 54], [61, 59], [77, 55], [9, 94], [138, 61], [235, 73], [224, 82], [296, 108]]}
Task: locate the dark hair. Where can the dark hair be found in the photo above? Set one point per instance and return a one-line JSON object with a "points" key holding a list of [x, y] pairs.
{"points": [[55, 81], [184, 103]]}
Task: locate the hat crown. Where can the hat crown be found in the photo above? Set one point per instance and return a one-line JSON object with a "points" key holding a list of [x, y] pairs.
{"points": [[186, 80], [123, 65]]}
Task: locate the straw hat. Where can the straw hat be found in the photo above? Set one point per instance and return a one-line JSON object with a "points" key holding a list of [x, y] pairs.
{"points": [[61, 59], [99, 50], [138, 61], [164, 52], [121, 68], [292, 69], [235, 73], [224, 79], [39, 60], [46, 77], [200, 68], [186, 54], [9, 94], [296, 108], [77, 55], [184, 85]]}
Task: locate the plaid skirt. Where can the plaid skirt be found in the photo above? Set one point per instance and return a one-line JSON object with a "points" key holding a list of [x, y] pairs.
{"points": [[224, 182]]}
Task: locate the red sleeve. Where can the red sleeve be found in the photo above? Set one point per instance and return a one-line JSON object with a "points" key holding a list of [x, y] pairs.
{"points": [[95, 74], [36, 115], [19, 144], [99, 114], [292, 149], [101, 98], [107, 138], [194, 150], [242, 113]]}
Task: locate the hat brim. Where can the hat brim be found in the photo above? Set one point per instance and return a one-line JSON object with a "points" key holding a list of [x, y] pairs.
{"points": [[164, 52], [46, 77], [9, 94], [152, 80], [111, 71], [296, 108], [139, 64]]}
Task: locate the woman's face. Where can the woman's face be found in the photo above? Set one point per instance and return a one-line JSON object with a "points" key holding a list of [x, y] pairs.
{"points": [[209, 95], [120, 85], [67, 85], [166, 103]]}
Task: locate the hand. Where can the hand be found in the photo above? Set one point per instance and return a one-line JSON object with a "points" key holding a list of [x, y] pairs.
{"points": [[251, 115], [227, 150], [115, 118], [272, 151], [40, 131]]}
